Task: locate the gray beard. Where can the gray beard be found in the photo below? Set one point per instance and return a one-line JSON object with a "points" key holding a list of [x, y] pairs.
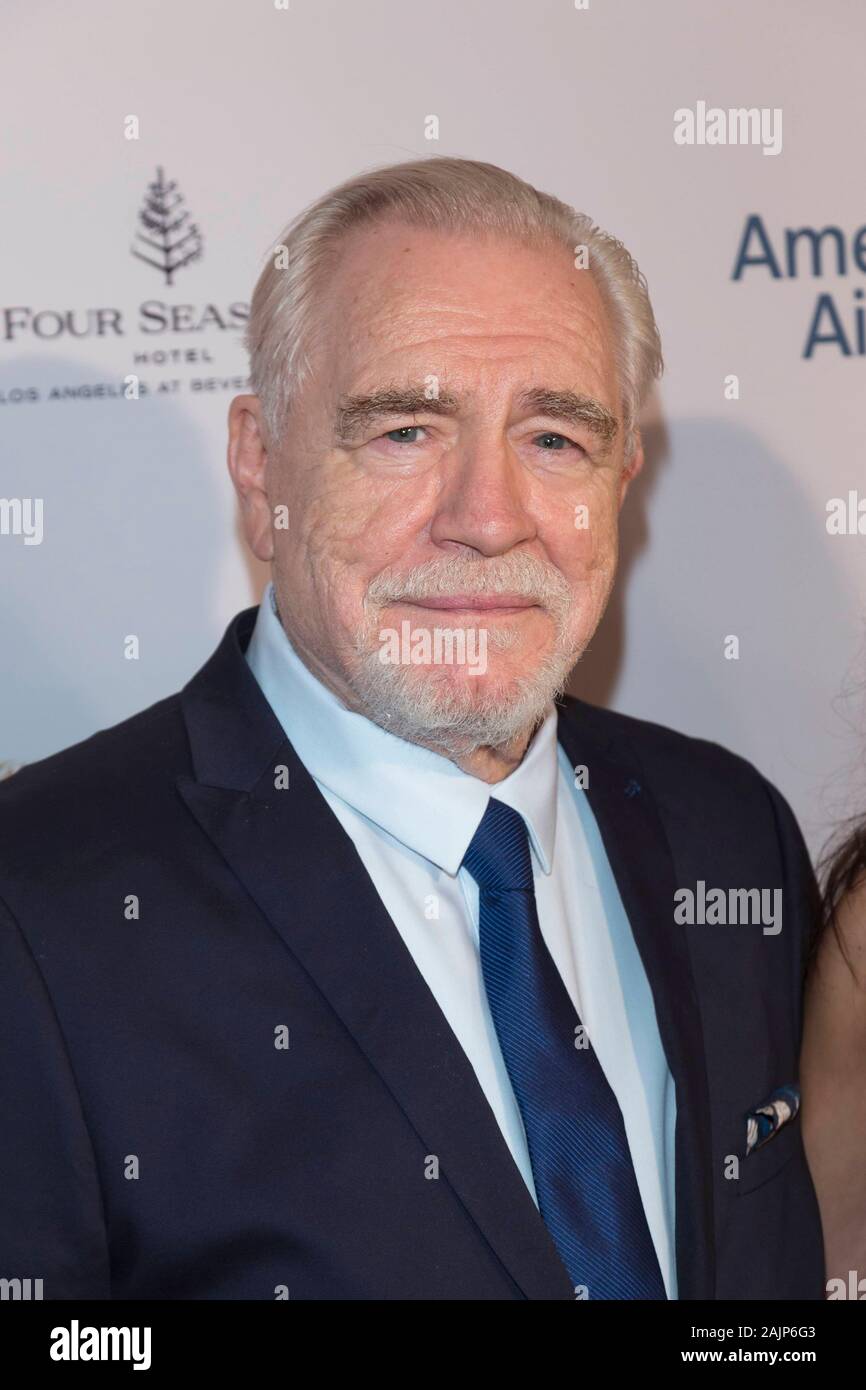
{"points": [[424, 707]]}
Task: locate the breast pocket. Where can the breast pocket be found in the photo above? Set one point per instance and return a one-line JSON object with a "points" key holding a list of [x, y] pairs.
{"points": [[766, 1162]]}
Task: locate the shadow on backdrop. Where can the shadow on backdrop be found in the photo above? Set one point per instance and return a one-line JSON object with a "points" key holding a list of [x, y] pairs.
{"points": [[718, 540]]}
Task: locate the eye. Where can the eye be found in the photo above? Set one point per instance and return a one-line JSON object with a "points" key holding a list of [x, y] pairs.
{"points": [[401, 434], [555, 443]]}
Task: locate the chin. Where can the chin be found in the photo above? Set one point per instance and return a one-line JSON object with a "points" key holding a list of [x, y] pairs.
{"points": [[494, 677], [449, 707]]}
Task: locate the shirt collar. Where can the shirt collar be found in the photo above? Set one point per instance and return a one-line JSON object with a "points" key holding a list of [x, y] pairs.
{"points": [[420, 798]]}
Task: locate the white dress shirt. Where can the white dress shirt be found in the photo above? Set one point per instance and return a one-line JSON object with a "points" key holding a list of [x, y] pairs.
{"points": [[411, 814]]}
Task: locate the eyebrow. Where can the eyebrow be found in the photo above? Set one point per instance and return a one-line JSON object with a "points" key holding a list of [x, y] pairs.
{"points": [[356, 413]]}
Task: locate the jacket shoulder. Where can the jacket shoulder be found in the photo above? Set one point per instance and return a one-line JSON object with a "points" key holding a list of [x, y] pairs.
{"points": [[86, 794], [703, 787], [660, 749]]}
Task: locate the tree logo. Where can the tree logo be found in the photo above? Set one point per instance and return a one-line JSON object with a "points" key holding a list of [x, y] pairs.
{"points": [[167, 240]]}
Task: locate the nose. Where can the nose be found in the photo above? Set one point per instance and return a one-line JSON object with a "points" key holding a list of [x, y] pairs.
{"points": [[484, 502]]}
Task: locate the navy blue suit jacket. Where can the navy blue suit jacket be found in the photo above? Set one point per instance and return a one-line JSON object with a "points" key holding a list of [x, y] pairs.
{"points": [[155, 1143]]}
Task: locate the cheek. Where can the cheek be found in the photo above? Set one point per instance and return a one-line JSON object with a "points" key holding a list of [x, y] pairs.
{"points": [[347, 529], [581, 535], [376, 519]]}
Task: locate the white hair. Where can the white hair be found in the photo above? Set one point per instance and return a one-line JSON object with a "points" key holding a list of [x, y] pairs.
{"points": [[447, 194]]}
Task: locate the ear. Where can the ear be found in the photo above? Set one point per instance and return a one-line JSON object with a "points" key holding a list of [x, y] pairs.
{"points": [[632, 468], [247, 464]]}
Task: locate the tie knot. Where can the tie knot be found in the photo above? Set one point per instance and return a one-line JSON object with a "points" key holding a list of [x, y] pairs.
{"points": [[498, 855]]}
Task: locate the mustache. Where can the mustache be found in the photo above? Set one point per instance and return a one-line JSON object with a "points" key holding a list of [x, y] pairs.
{"points": [[524, 575]]}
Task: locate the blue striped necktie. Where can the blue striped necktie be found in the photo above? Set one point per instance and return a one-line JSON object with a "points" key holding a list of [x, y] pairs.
{"points": [[584, 1179]]}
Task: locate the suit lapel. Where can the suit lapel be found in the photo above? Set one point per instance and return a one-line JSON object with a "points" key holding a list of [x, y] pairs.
{"points": [[301, 868], [640, 857]]}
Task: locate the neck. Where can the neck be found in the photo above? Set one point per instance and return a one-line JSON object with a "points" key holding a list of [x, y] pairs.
{"points": [[487, 763]]}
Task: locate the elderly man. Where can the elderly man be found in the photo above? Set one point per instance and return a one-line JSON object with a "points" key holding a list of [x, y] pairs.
{"points": [[357, 970]]}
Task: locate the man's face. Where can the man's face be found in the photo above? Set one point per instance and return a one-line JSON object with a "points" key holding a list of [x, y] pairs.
{"points": [[427, 485]]}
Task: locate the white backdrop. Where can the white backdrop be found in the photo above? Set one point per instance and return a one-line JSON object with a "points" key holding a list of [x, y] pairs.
{"points": [[253, 111]]}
